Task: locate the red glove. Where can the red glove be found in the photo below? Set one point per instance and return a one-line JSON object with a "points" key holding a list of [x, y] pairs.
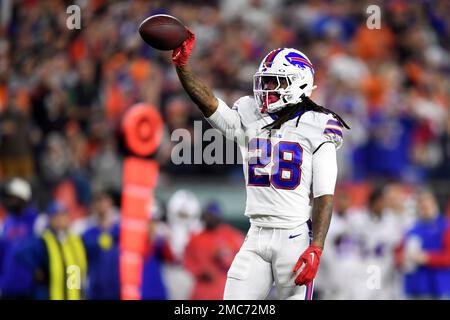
{"points": [[181, 54], [311, 259]]}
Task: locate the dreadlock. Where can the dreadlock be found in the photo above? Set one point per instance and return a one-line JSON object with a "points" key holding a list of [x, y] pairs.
{"points": [[305, 105]]}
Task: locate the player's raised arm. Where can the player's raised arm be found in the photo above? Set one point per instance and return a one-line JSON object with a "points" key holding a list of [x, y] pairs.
{"points": [[216, 111], [202, 96], [324, 181]]}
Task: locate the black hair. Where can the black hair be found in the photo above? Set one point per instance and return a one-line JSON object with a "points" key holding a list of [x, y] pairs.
{"points": [[305, 105]]}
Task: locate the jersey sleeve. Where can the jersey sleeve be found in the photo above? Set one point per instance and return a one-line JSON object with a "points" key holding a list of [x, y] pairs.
{"points": [[333, 132], [328, 129], [324, 167], [226, 120]]}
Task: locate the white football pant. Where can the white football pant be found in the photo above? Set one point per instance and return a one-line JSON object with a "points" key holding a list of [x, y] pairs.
{"points": [[268, 255]]}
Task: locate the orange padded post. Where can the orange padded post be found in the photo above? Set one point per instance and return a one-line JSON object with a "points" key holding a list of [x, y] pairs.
{"points": [[142, 128]]}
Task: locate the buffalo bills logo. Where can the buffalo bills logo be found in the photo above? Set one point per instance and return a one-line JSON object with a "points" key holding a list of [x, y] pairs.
{"points": [[300, 61]]}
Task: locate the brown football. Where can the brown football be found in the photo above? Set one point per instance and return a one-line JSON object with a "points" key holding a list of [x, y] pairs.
{"points": [[163, 32]]}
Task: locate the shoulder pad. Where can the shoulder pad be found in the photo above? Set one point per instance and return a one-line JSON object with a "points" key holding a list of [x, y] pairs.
{"points": [[243, 102]]}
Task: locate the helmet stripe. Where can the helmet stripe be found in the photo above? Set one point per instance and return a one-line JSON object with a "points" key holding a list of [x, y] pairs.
{"points": [[271, 57]]}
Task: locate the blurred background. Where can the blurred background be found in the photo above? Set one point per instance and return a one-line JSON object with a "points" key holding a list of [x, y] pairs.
{"points": [[63, 93]]}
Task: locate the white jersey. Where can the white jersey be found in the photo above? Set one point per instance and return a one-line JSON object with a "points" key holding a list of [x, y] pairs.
{"points": [[279, 168], [377, 237]]}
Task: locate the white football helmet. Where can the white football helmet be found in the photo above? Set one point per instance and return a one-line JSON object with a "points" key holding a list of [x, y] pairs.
{"points": [[291, 74]]}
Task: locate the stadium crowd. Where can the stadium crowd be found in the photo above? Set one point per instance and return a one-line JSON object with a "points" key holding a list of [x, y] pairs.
{"points": [[63, 92]]}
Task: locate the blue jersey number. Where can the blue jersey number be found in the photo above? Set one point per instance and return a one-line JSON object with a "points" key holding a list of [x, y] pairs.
{"points": [[287, 161]]}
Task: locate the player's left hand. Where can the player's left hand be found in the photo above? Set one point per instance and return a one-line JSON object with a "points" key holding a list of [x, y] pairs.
{"points": [[310, 258]]}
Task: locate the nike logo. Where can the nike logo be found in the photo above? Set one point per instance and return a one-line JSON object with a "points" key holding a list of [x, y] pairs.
{"points": [[292, 236]]}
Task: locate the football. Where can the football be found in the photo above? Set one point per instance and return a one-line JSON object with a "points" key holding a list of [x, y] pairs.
{"points": [[163, 32]]}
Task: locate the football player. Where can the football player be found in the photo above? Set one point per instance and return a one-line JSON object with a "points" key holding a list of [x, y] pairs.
{"points": [[288, 144]]}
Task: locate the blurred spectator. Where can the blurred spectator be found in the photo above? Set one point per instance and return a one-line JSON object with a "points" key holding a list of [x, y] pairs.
{"points": [[427, 252], [158, 253], [209, 254], [18, 228], [377, 234], [101, 240], [107, 160], [183, 219], [15, 144], [57, 259], [442, 170], [55, 161], [341, 260], [85, 93], [390, 136], [399, 204]]}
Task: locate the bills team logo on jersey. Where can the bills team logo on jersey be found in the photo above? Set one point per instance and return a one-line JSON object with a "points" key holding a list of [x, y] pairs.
{"points": [[300, 61]]}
